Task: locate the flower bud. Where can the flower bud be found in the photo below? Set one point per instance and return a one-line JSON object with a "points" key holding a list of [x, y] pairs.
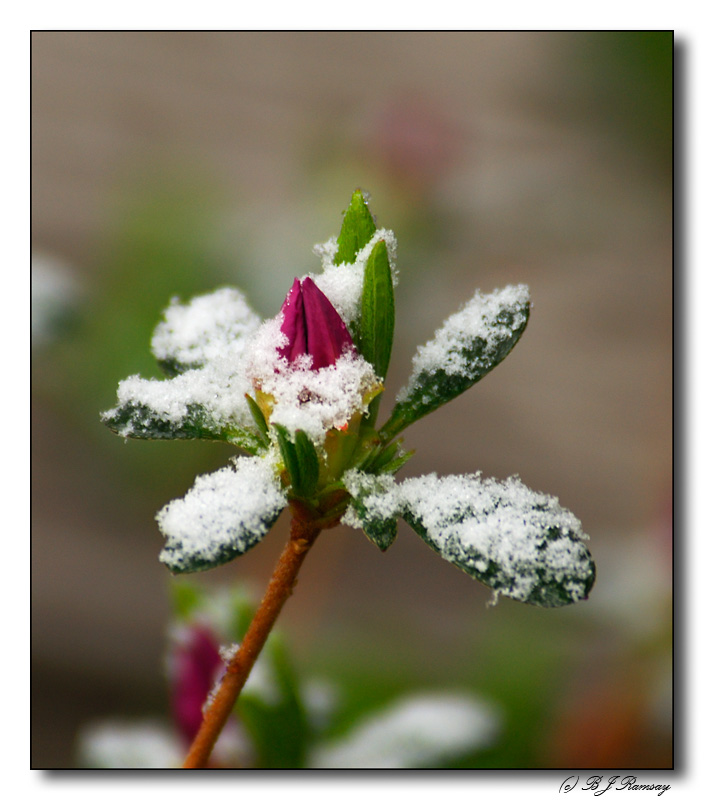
{"points": [[195, 664], [312, 326]]}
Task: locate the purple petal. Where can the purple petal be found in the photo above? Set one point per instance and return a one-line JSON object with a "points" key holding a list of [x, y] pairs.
{"points": [[293, 325], [312, 326], [327, 333]]}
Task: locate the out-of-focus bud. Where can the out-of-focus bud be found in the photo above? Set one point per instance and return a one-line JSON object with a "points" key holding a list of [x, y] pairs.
{"points": [[312, 326], [194, 666]]}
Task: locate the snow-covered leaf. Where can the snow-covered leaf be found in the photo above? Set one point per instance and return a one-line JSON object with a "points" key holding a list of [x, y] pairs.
{"points": [[520, 543], [208, 327], [225, 514], [418, 731], [468, 345], [129, 744], [138, 421], [373, 506], [202, 345], [204, 403]]}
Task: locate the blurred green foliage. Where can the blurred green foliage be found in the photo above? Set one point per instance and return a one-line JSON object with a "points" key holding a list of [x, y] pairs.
{"points": [[630, 86], [158, 246]]}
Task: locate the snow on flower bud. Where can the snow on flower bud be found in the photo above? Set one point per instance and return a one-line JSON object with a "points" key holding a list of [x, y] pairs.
{"points": [[194, 666], [312, 326], [306, 372]]}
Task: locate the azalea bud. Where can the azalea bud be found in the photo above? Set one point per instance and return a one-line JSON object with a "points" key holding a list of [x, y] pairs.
{"points": [[312, 326], [195, 664]]}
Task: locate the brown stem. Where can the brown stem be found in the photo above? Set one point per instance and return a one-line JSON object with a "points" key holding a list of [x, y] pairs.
{"points": [[303, 533]]}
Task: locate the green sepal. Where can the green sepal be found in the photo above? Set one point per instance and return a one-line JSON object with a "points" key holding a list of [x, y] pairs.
{"points": [[258, 417], [394, 465], [288, 453], [432, 389], [138, 421], [300, 459], [384, 459], [358, 227], [376, 332], [308, 465]]}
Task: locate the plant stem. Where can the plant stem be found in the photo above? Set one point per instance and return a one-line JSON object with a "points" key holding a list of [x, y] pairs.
{"points": [[303, 533]]}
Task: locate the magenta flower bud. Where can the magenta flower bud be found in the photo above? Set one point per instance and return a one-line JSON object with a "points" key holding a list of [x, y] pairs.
{"points": [[312, 326], [195, 665]]}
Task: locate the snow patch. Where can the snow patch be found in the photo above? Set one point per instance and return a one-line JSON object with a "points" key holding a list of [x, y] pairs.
{"points": [[415, 732]]}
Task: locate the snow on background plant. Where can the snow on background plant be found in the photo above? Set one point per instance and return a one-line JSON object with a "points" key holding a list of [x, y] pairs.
{"points": [[281, 721], [300, 396]]}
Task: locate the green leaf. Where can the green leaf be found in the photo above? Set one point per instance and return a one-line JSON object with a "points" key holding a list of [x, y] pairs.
{"points": [[186, 597], [308, 465], [358, 227], [382, 532], [518, 542], [468, 346], [224, 515], [273, 713], [139, 421], [377, 323]]}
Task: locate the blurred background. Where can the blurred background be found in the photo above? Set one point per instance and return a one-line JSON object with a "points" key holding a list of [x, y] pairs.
{"points": [[172, 163]]}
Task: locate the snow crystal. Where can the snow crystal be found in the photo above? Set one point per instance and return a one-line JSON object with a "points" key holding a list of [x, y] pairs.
{"points": [[478, 319], [418, 731], [342, 283], [472, 521], [327, 251], [211, 326], [228, 651], [225, 513]]}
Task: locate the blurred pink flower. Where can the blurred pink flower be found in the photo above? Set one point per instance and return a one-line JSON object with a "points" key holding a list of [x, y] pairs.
{"points": [[195, 666]]}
